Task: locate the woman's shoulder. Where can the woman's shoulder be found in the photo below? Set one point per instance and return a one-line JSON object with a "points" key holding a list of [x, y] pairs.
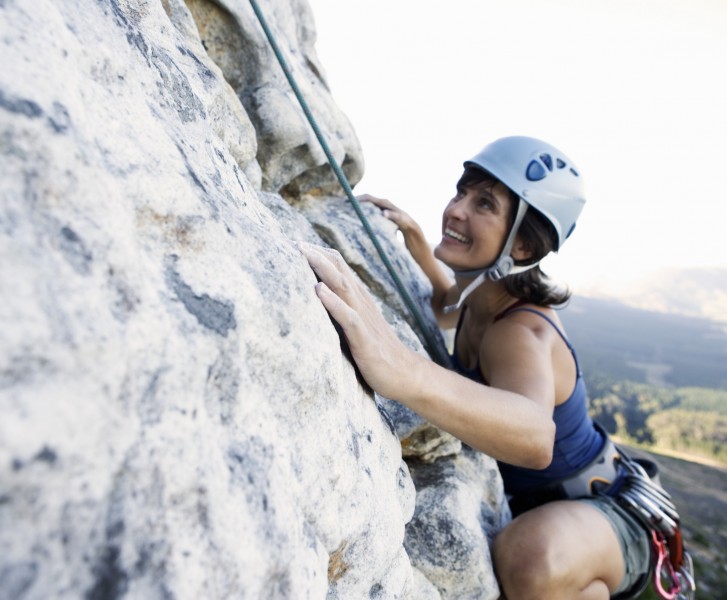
{"points": [[524, 311], [522, 322]]}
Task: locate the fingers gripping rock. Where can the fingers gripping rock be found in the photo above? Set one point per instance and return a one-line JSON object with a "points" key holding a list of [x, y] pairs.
{"points": [[377, 351]]}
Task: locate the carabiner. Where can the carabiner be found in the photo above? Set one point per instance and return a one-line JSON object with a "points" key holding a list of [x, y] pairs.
{"points": [[686, 579], [662, 569]]}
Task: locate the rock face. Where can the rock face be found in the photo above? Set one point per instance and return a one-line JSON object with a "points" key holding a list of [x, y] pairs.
{"points": [[178, 417]]}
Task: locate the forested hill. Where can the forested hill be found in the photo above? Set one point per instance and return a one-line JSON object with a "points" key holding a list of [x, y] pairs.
{"points": [[667, 350], [654, 379]]}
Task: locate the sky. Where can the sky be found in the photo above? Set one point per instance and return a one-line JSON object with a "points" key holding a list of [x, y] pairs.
{"points": [[633, 91]]}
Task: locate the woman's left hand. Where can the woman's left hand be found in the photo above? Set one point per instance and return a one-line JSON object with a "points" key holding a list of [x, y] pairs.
{"points": [[403, 220], [383, 360]]}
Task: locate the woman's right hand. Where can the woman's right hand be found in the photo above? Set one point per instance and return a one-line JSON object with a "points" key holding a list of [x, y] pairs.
{"points": [[379, 354], [392, 212]]}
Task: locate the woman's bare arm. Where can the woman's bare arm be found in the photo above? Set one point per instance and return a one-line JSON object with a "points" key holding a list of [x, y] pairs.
{"points": [[512, 424]]}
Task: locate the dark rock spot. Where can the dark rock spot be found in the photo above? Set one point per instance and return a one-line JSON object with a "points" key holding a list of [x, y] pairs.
{"points": [[355, 446], [111, 581], [129, 22], [150, 409], [216, 315], [385, 416], [190, 170], [115, 528], [206, 73], [203, 513], [20, 106], [249, 462], [59, 119], [125, 299], [75, 251], [47, 455], [176, 85]]}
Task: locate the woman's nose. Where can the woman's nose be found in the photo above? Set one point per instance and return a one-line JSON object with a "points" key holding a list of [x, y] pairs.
{"points": [[456, 209]]}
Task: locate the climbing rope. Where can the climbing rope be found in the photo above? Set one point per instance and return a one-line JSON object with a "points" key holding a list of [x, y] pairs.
{"points": [[435, 350]]}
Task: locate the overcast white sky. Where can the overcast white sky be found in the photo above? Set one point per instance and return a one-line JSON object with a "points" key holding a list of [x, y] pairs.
{"points": [[634, 91]]}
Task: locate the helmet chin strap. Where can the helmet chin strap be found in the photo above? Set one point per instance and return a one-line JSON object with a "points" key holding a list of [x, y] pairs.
{"points": [[502, 267]]}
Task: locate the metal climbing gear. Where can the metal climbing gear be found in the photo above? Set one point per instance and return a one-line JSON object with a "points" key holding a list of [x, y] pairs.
{"points": [[671, 583], [644, 498]]}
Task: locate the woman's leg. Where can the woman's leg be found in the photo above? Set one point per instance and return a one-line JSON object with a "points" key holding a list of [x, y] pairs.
{"points": [[562, 550]]}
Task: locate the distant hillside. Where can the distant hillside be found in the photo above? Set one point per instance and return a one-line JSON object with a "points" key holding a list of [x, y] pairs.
{"points": [[698, 293], [626, 343]]}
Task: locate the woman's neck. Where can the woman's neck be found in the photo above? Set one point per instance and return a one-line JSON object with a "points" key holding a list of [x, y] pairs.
{"points": [[487, 301]]}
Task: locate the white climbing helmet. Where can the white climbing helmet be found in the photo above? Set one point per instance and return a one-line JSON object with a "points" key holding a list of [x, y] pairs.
{"points": [[539, 174], [544, 179]]}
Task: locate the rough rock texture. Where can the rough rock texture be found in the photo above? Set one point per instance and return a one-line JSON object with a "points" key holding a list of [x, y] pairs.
{"points": [[178, 416], [457, 514]]}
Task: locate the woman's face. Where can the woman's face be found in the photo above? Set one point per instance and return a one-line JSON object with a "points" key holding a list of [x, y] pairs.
{"points": [[475, 225]]}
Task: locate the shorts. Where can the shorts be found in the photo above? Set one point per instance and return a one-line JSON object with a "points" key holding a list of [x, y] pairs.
{"points": [[634, 540]]}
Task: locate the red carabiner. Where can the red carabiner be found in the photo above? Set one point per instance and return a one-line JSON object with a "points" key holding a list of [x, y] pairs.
{"points": [[664, 568]]}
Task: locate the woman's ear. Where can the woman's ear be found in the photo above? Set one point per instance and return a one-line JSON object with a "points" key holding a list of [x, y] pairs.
{"points": [[520, 250]]}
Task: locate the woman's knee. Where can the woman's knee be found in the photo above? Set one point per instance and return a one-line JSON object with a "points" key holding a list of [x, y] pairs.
{"points": [[555, 550], [526, 560]]}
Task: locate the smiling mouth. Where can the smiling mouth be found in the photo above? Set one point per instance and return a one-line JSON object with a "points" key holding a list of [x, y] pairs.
{"points": [[456, 236]]}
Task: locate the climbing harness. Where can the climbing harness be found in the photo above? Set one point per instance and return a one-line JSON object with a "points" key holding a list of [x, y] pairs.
{"points": [[635, 486], [435, 349]]}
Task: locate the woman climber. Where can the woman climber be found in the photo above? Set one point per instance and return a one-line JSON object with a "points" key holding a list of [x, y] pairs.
{"points": [[515, 391]]}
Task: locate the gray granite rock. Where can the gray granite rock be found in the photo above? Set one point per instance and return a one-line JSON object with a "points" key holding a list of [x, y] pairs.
{"points": [[460, 507], [178, 416], [288, 152]]}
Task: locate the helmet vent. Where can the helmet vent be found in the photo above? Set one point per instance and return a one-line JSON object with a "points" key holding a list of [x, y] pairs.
{"points": [[547, 161], [572, 170], [535, 171], [560, 163]]}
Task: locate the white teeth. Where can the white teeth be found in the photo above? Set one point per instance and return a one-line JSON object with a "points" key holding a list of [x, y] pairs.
{"points": [[457, 236]]}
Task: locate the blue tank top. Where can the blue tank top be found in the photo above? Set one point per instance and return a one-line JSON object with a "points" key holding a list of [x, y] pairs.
{"points": [[577, 441]]}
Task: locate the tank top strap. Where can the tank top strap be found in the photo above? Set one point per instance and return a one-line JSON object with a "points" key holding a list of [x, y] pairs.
{"points": [[517, 307], [508, 310]]}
